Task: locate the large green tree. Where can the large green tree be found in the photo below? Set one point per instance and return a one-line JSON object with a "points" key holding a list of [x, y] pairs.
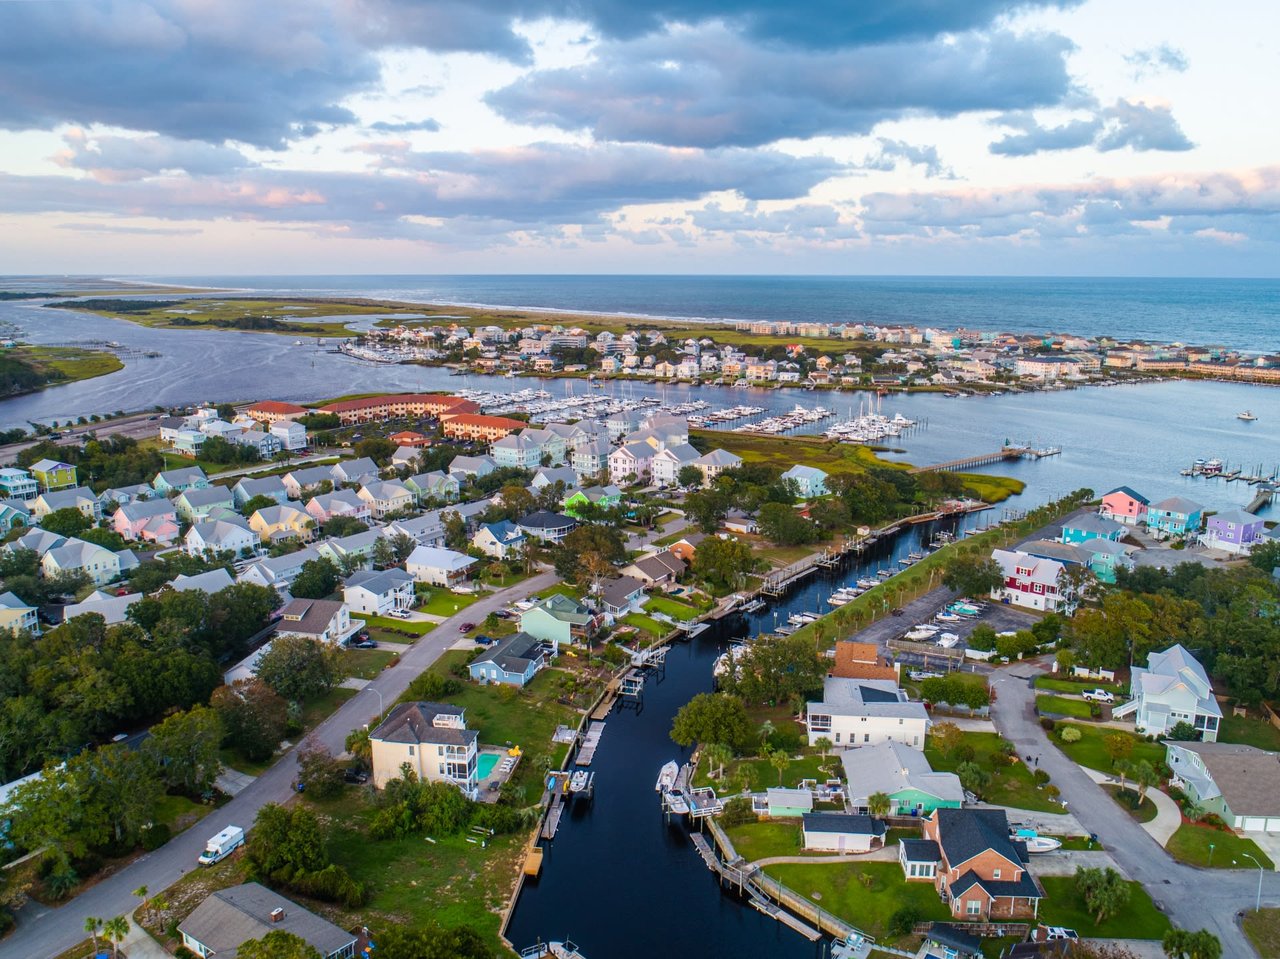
{"points": [[316, 580], [299, 668], [714, 718], [723, 562], [1104, 891], [253, 717], [278, 944], [972, 575], [185, 747]]}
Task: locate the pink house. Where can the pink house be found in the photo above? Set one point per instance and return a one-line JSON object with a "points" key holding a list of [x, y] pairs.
{"points": [[344, 502], [151, 521], [1124, 506], [632, 460]]}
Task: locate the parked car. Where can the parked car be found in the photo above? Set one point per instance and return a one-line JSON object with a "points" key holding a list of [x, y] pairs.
{"points": [[1098, 696], [466, 627], [399, 613], [355, 775], [1058, 932], [364, 644]]}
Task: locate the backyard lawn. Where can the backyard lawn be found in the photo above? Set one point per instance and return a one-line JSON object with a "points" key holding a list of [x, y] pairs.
{"points": [[763, 840], [1011, 783], [1062, 706], [1263, 930], [1049, 684], [1190, 844], [179, 812], [1090, 749], [1250, 732], [647, 624], [673, 608], [445, 603], [366, 663], [564, 589], [1064, 906], [415, 628]]}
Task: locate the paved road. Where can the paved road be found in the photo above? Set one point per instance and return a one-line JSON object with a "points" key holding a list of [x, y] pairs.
{"points": [[45, 932], [1193, 898]]}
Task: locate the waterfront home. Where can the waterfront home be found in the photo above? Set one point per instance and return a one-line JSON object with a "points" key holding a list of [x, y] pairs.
{"points": [[547, 526], [273, 411], [326, 621], [247, 488], [112, 608], [1105, 557], [810, 481], [435, 485], [299, 482], [591, 457], [1124, 505], [278, 572], [473, 426], [501, 540], [973, 863], [740, 521], [432, 738], [98, 563], [354, 472], [1085, 526], [860, 712], [901, 773], [120, 495], [290, 435], [230, 535], [230, 917], [1175, 516], [861, 661], [1234, 531], [378, 593], [462, 467], [1066, 553], [18, 484], [180, 480], [1047, 367], [211, 582], [189, 442], [439, 567], [386, 496], [151, 521], [668, 462], [714, 462], [529, 448], [1172, 689], [513, 661], [425, 530], [344, 502], [630, 463], [16, 616], [53, 474], [603, 497], [276, 523], [656, 569], [621, 596], [841, 832], [195, 505], [351, 552], [1031, 581], [1237, 783], [559, 620], [14, 513], [621, 423], [782, 803], [80, 498], [550, 475]]}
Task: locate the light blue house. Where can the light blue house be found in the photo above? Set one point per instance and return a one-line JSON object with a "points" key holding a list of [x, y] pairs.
{"points": [[560, 620], [513, 661], [180, 480], [1105, 557], [1091, 526], [1175, 516], [810, 480]]}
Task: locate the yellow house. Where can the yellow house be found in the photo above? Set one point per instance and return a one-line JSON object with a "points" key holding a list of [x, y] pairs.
{"points": [[51, 474], [274, 523], [16, 616], [433, 739]]}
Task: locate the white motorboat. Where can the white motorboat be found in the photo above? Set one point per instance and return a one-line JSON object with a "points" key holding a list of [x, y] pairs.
{"points": [[947, 618], [1043, 844], [667, 777], [1247, 416]]}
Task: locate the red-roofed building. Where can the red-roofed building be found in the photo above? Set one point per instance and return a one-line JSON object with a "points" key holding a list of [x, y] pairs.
{"points": [[410, 438], [399, 406], [471, 426], [273, 411]]}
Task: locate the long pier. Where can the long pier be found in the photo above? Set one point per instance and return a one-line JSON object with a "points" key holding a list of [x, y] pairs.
{"points": [[985, 459], [589, 743], [1261, 499]]}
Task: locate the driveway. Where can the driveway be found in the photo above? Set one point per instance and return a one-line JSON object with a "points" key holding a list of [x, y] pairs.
{"points": [[1168, 815], [1193, 898], [44, 932]]}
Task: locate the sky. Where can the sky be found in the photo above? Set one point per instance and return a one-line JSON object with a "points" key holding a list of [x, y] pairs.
{"points": [[1046, 137]]}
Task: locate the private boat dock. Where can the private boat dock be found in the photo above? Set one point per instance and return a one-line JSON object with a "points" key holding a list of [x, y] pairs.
{"points": [[986, 459], [587, 751]]}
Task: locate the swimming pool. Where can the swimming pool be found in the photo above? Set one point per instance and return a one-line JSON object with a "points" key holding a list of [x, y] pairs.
{"points": [[485, 764]]}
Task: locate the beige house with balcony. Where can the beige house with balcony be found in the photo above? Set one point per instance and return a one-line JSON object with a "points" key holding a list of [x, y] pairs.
{"points": [[433, 739]]}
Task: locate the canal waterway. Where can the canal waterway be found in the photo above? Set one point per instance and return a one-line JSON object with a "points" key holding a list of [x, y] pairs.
{"points": [[621, 881]]}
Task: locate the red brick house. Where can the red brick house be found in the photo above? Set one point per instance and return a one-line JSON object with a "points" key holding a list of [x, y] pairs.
{"points": [[974, 864]]}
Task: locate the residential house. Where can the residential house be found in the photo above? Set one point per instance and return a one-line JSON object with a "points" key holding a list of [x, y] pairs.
{"points": [[101, 565], [120, 495], [189, 442], [501, 540], [841, 832], [528, 449], [901, 773], [266, 445], [435, 485], [973, 863], [344, 502], [809, 480], [1031, 582], [13, 513], [1175, 516], [656, 569], [39, 541], [1234, 531], [180, 480], [861, 661], [462, 467], [603, 497], [18, 484], [425, 530], [220, 536], [1239, 784], [668, 462], [273, 411], [80, 498], [195, 505], [860, 712], [324, 620], [16, 616], [591, 457], [290, 435], [559, 620], [354, 472], [740, 521], [230, 917], [276, 523], [386, 496], [210, 582], [1091, 526], [621, 596], [630, 463], [378, 593], [550, 475], [432, 738], [113, 608], [1124, 505], [278, 572], [410, 438], [1105, 557], [715, 463], [621, 423], [1172, 689], [439, 567], [151, 521], [513, 661], [547, 526], [351, 552], [299, 482], [405, 456], [53, 474], [247, 488], [686, 547]]}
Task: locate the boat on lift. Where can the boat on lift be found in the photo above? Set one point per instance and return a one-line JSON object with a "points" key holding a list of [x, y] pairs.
{"points": [[667, 776]]}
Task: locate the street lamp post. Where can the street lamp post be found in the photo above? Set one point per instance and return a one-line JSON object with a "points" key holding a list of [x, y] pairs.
{"points": [[377, 692], [1257, 906]]}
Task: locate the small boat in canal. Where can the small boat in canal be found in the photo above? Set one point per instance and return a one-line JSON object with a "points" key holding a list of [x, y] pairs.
{"points": [[1247, 416], [667, 776]]}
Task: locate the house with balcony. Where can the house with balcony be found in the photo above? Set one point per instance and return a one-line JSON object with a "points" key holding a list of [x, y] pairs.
{"points": [[1173, 688], [1234, 531], [464, 467], [195, 505], [716, 462], [247, 488], [435, 485], [559, 620], [810, 481], [512, 661], [501, 540], [276, 523], [169, 482], [344, 502], [669, 461], [1032, 581], [278, 572], [438, 567], [290, 435], [354, 472], [101, 565], [1087, 526], [528, 449], [863, 712], [53, 474], [386, 496], [150, 521], [433, 739], [1240, 784], [903, 774], [230, 535], [631, 462], [13, 513], [326, 621], [1124, 505], [16, 616], [545, 476], [547, 526], [591, 457], [120, 495], [378, 593], [80, 498], [1176, 516], [603, 497], [622, 596], [18, 484], [351, 552]]}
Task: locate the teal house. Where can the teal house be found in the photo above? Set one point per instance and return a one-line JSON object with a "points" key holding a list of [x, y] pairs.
{"points": [[560, 620], [903, 774], [1175, 516], [785, 803], [1105, 557], [1091, 526]]}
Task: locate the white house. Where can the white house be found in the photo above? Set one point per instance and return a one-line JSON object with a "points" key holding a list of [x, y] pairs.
{"points": [[220, 536], [841, 832], [292, 436], [1172, 689], [668, 462], [378, 593], [1031, 581], [324, 620], [209, 582], [858, 712], [278, 572], [439, 567], [359, 470]]}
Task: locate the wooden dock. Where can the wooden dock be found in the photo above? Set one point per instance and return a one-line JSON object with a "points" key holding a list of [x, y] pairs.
{"points": [[986, 459], [1261, 499], [590, 741]]}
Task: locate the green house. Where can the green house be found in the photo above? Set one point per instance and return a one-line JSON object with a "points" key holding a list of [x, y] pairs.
{"points": [[903, 774], [558, 619], [51, 474], [601, 496]]}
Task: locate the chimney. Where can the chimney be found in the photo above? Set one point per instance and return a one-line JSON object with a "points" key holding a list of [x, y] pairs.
{"points": [[277, 914]]}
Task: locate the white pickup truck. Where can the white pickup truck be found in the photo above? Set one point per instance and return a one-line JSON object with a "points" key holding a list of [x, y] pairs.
{"points": [[1098, 696], [222, 845]]}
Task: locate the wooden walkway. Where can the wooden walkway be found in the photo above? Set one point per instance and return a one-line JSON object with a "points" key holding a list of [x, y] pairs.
{"points": [[589, 743]]}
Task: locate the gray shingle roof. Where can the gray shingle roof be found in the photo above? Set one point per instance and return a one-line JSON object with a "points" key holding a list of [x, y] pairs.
{"points": [[843, 823], [413, 723], [229, 917], [965, 833]]}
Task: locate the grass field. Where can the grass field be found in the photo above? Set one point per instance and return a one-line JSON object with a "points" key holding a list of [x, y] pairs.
{"points": [[366, 663], [673, 608], [1064, 906], [179, 812], [319, 709], [647, 624], [1263, 930], [1250, 732], [1010, 785], [445, 603], [1062, 706], [763, 840], [1090, 750], [1190, 844], [1049, 684], [67, 364]]}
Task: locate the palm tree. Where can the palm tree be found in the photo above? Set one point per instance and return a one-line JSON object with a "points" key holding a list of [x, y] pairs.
{"points": [[779, 760], [766, 730], [1144, 777], [359, 746], [1122, 767], [717, 755], [825, 744], [91, 925], [116, 930], [878, 804]]}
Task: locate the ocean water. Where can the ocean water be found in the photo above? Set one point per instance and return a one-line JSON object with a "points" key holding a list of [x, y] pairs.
{"points": [[1241, 314]]}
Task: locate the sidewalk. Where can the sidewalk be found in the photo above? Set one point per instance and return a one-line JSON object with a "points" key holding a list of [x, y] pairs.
{"points": [[1168, 815]]}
